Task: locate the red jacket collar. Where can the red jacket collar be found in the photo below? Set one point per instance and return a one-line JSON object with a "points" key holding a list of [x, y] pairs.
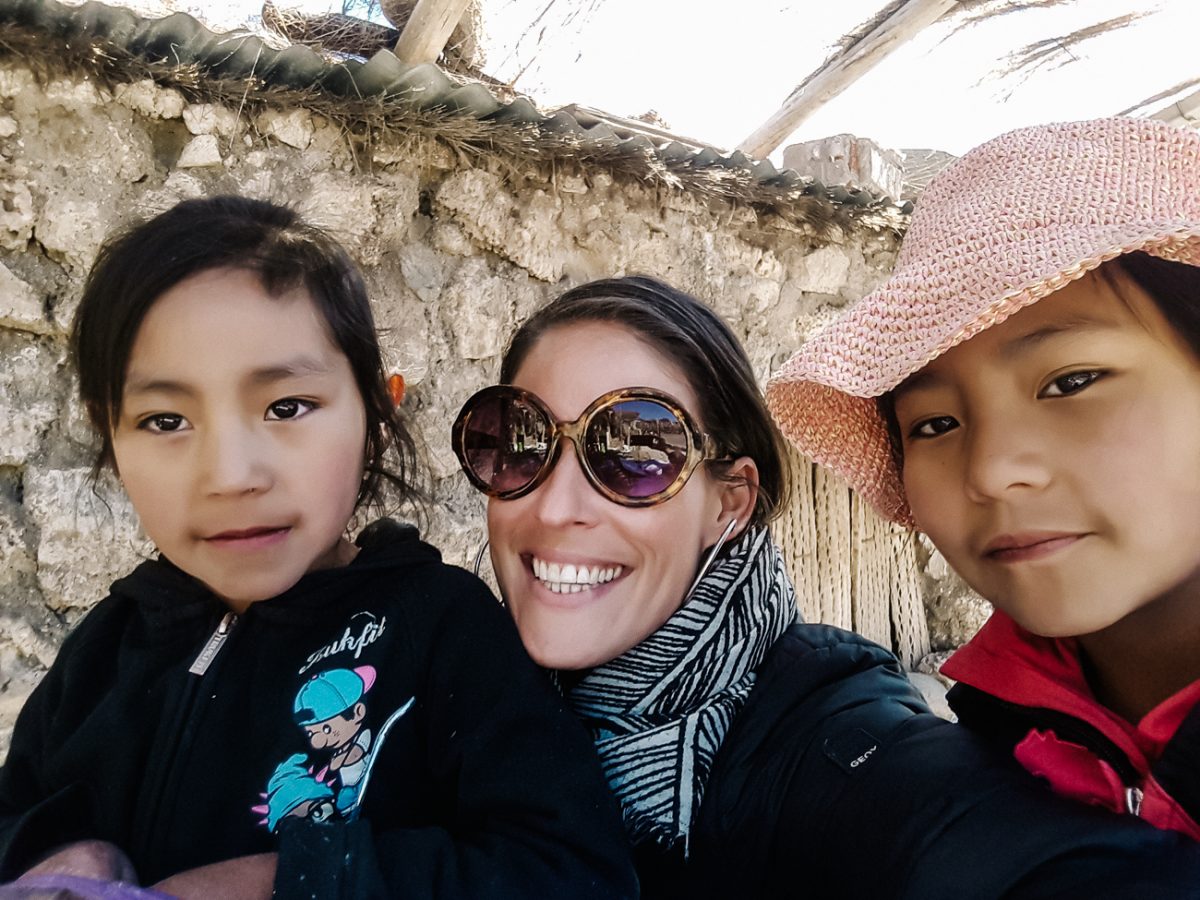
{"points": [[1009, 663]]}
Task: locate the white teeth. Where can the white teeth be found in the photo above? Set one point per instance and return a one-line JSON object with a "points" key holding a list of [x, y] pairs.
{"points": [[571, 579]]}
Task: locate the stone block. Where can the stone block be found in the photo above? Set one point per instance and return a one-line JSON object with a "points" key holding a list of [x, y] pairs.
{"points": [[210, 118], [21, 307], [846, 159], [478, 310], [15, 80], [71, 228], [934, 693], [16, 215], [346, 208], [73, 93], [200, 151], [8, 126], [955, 613], [16, 554], [149, 99], [424, 270], [86, 538], [28, 400], [293, 127], [823, 271], [523, 231]]}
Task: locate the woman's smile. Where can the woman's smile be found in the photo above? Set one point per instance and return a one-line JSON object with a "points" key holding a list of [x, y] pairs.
{"points": [[569, 578]]}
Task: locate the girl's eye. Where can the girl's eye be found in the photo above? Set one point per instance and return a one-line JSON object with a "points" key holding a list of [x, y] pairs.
{"points": [[1071, 383], [163, 423], [290, 408], [928, 428]]}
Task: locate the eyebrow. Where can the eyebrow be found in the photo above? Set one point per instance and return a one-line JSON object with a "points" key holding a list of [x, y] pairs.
{"points": [[296, 367], [1017, 346], [1026, 342]]}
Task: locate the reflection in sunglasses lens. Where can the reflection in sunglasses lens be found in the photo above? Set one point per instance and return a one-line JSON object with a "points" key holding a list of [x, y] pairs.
{"points": [[636, 448], [506, 442]]}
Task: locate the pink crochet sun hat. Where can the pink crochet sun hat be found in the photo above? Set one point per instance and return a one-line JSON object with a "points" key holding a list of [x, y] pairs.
{"points": [[1004, 226]]}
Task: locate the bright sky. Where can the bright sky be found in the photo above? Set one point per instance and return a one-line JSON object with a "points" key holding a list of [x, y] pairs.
{"points": [[717, 72]]}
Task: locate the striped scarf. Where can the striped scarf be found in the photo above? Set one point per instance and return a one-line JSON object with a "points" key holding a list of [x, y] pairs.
{"points": [[659, 711]]}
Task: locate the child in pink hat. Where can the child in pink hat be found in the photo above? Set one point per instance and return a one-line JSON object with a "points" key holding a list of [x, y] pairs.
{"points": [[1050, 450]]}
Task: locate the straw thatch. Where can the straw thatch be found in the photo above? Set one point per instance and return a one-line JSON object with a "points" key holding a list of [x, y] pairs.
{"points": [[369, 122]]}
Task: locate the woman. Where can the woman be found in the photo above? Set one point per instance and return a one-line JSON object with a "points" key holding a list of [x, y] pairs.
{"points": [[754, 756]]}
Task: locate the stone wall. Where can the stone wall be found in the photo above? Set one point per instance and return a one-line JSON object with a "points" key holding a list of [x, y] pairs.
{"points": [[455, 253]]}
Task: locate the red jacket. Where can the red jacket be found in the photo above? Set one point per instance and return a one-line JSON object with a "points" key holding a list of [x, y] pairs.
{"points": [[1031, 694]]}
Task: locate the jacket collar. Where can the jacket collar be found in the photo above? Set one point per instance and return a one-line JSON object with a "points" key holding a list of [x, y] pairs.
{"points": [[167, 596], [1013, 665]]}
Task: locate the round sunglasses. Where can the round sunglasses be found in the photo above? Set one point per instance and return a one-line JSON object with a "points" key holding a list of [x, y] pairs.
{"points": [[636, 446]]}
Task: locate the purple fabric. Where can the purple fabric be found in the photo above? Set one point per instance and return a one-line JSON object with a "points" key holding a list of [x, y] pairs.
{"points": [[32, 886]]}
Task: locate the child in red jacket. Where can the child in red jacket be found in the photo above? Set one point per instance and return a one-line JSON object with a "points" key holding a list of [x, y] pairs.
{"points": [[1050, 450]]}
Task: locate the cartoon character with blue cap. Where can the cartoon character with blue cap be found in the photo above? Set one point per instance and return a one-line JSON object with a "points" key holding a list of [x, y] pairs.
{"points": [[329, 708]]}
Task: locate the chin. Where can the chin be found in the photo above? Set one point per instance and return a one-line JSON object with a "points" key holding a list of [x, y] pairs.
{"points": [[551, 654]]}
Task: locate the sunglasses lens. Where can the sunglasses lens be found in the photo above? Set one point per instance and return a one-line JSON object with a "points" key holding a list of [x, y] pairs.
{"points": [[505, 442], [636, 448]]}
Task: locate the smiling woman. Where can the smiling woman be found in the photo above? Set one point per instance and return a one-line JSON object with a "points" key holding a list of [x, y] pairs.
{"points": [[753, 755]]}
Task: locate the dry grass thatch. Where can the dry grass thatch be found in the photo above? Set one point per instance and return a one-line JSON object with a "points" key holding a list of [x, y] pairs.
{"points": [[1058, 51], [351, 36], [369, 122]]}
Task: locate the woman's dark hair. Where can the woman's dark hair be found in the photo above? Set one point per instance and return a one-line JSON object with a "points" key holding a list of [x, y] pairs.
{"points": [[139, 264], [695, 339], [1174, 287]]}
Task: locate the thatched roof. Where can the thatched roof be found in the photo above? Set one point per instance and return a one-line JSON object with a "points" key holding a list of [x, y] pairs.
{"points": [[381, 97]]}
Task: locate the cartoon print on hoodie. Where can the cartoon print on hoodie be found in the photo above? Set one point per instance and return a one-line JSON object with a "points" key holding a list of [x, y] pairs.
{"points": [[330, 709]]}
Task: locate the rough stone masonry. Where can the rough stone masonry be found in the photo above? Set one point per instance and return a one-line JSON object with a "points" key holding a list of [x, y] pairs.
{"points": [[455, 252]]}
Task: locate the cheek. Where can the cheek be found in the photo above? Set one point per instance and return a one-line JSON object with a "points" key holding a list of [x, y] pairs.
{"points": [[929, 495]]}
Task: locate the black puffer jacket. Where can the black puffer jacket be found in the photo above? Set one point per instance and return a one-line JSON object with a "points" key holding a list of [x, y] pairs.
{"points": [[836, 781], [183, 748]]}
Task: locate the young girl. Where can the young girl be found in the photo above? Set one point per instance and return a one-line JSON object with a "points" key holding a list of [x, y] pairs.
{"points": [[1051, 450], [268, 705]]}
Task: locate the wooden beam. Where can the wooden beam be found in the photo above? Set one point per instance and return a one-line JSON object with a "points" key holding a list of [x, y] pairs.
{"points": [[842, 70], [427, 30]]}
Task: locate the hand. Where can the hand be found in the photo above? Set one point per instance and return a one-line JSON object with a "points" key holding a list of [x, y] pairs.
{"points": [[87, 859], [242, 878]]}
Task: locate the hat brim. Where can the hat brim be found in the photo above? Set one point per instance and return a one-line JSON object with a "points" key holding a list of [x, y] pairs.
{"points": [[824, 397]]}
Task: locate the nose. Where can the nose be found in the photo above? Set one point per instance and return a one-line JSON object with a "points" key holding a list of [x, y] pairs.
{"points": [[234, 460], [1004, 456], [566, 497]]}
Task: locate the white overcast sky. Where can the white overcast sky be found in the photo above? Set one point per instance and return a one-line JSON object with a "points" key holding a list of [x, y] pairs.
{"points": [[716, 71]]}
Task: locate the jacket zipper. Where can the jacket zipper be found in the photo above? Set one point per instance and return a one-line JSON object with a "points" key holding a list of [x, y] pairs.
{"points": [[215, 642], [151, 834], [1133, 801]]}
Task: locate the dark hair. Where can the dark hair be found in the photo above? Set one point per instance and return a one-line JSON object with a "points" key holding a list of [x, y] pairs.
{"points": [[711, 358], [1174, 287], [139, 264]]}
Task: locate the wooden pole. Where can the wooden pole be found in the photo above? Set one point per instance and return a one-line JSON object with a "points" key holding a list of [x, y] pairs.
{"points": [[838, 73], [427, 30]]}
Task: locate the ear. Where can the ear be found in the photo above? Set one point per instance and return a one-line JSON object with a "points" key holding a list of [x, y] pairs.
{"points": [[737, 492]]}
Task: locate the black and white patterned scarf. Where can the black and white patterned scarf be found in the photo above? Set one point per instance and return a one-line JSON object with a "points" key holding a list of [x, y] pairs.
{"points": [[659, 711]]}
